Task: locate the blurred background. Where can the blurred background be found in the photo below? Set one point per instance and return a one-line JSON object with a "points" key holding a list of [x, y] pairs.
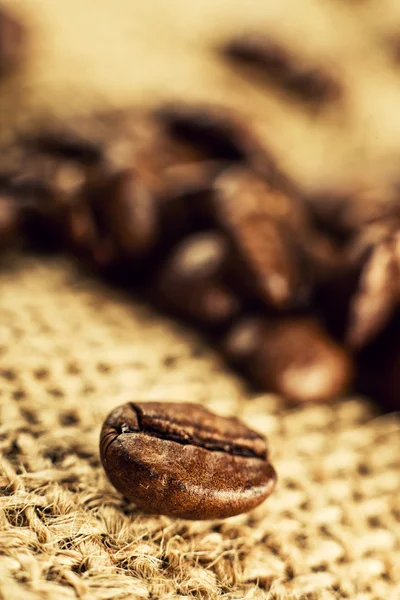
{"points": [[85, 54]]}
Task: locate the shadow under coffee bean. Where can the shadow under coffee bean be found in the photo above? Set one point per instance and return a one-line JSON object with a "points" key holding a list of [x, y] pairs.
{"points": [[183, 460]]}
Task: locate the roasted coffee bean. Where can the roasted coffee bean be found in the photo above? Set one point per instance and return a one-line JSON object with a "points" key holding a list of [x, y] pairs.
{"points": [[222, 135], [345, 212], [378, 367], [263, 223], [81, 229], [182, 460], [190, 282], [293, 356], [192, 177], [12, 42], [126, 212], [268, 58], [376, 294], [183, 198], [28, 203], [9, 219], [67, 145], [49, 181]]}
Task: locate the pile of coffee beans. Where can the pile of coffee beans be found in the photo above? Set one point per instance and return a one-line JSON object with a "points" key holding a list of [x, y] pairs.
{"points": [[186, 205]]}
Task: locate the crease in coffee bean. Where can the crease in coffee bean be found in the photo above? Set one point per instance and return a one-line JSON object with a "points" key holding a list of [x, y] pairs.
{"points": [[206, 443], [106, 443]]}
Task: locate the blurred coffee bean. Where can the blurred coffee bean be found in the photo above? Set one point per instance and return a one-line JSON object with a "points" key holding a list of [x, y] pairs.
{"points": [[13, 41], [190, 281], [32, 201], [344, 212], [52, 181], [125, 211], [222, 135], [9, 220], [271, 60], [376, 297], [292, 356], [378, 367], [217, 132], [243, 341], [263, 225], [188, 178], [81, 228], [67, 145], [325, 257], [184, 198]]}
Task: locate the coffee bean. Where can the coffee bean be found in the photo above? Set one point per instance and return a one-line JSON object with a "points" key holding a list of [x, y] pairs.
{"points": [[270, 59], [264, 226], [183, 195], [182, 460], [81, 230], [222, 135], [379, 367], [376, 297], [346, 212], [293, 356], [125, 211], [190, 281], [68, 145], [9, 219], [217, 132]]}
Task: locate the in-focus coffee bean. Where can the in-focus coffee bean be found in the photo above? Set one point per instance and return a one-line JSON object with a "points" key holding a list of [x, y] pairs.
{"points": [[180, 459]]}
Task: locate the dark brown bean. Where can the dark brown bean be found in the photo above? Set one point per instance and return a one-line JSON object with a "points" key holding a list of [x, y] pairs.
{"points": [[378, 365], [126, 212], [183, 460], [377, 296], [190, 281], [365, 293], [263, 223], [293, 356], [216, 131], [66, 145], [9, 219], [270, 59], [344, 212], [184, 197], [223, 135]]}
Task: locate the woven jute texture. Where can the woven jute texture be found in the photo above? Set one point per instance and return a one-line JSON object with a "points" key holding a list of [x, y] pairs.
{"points": [[72, 349]]}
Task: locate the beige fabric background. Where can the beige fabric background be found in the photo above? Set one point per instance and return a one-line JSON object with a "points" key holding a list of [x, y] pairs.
{"points": [[71, 349]]}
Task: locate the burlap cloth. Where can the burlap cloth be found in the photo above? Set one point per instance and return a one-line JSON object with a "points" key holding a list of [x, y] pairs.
{"points": [[71, 349]]}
